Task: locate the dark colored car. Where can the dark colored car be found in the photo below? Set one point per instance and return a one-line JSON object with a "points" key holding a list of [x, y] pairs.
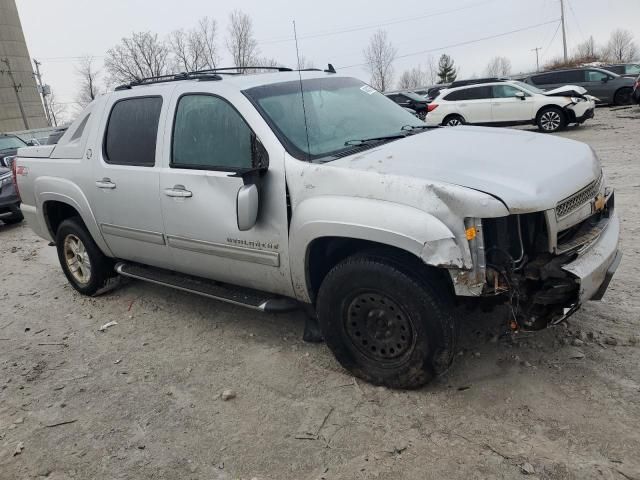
{"points": [[434, 91], [410, 100], [9, 145], [55, 136], [624, 69], [636, 91], [607, 86], [9, 200]]}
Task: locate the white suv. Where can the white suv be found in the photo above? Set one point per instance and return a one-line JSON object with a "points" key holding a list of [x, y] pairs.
{"points": [[503, 103]]}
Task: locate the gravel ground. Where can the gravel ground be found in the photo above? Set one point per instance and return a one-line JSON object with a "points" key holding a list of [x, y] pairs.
{"points": [[143, 398]]}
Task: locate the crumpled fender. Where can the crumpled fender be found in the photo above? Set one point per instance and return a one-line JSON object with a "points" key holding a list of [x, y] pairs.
{"points": [[400, 226]]}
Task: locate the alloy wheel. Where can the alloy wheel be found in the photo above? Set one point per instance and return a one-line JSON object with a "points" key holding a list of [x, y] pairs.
{"points": [[77, 259], [550, 121]]}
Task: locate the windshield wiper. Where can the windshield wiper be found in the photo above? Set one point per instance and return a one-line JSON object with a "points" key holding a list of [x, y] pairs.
{"points": [[363, 141], [414, 127]]}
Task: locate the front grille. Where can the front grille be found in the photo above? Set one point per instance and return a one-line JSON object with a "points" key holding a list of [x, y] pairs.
{"points": [[575, 201]]}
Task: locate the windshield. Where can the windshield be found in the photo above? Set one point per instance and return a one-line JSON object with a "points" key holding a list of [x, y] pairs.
{"points": [[11, 142], [338, 110], [526, 86]]}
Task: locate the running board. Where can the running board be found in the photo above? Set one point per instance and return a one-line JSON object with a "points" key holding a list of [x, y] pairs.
{"points": [[244, 297]]}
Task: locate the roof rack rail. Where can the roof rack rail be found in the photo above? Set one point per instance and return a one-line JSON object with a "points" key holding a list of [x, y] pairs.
{"points": [[477, 81], [211, 74]]}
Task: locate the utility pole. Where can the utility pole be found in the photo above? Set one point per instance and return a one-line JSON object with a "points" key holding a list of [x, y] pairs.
{"points": [[564, 31], [16, 88], [42, 90], [537, 49]]}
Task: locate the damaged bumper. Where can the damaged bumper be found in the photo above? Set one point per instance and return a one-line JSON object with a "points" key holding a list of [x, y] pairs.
{"points": [[594, 268]]}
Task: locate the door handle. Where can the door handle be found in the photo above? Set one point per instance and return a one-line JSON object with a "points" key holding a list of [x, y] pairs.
{"points": [[105, 183], [178, 191]]}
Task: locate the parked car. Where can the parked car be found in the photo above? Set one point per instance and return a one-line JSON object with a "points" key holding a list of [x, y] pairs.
{"points": [[636, 91], [475, 81], [606, 86], [233, 189], [624, 69], [434, 91], [9, 145], [410, 100], [55, 136], [9, 200], [503, 103]]}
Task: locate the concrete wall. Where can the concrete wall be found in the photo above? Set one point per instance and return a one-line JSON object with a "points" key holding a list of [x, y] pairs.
{"points": [[14, 47]]}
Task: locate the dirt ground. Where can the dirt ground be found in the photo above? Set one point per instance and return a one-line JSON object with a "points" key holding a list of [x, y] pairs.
{"points": [[142, 399]]}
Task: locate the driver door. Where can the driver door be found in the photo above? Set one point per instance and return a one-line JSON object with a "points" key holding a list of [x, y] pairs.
{"points": [[507, 107], [210, 142]]}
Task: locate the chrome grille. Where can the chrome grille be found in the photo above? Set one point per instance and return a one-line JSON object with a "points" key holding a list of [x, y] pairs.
{"points": [[578, 199]]}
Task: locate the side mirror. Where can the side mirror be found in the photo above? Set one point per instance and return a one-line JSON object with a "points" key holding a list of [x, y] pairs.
{"points": [[605, 79], [32, 142], [520, 95], [248, 198], [247, 206]]}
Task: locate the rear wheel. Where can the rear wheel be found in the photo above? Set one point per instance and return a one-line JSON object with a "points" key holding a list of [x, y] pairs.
{"points": [[453, 121], [85, 266], [384, 324], [15, 218], [623, 96], [551, 119]]}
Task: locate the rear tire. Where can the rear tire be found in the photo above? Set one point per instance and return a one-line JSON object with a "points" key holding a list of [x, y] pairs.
{"points": [[85, 266], [453, 121], [623, 96], [384, 323], [551, 119]]}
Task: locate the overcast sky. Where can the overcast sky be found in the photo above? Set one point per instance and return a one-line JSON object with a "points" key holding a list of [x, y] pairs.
{"points": [[335, 31]]}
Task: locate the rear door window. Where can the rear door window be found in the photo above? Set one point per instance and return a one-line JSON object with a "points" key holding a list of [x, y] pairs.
{"points": [[132, 131]]}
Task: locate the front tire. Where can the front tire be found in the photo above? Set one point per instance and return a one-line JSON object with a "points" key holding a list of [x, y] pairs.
{"points": [[12, 219], [551, 120], [85, 266], [385, 324], [623, 96]]}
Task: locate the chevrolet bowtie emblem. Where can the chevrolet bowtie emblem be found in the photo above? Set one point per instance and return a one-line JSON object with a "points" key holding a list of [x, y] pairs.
{"points": [[599, 203]]}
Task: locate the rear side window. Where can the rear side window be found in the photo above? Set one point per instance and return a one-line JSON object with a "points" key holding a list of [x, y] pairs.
{"points": [[210, 134], [570, 76], [132, 131], [475, 93]]}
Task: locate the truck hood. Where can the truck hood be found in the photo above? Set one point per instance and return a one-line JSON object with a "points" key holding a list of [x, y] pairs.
{"points": [[527, 171]]}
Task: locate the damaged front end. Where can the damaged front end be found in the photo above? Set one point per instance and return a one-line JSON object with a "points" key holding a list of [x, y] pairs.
{"points": [[544, 265]]}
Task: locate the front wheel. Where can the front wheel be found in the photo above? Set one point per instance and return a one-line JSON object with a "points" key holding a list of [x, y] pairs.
{"points": [[85, 266], [384, 324], [551, 119]]}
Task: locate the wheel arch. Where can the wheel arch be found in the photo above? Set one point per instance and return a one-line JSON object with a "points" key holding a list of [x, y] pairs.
{"points": [[342, 226], [453, 114], [551, 105]]}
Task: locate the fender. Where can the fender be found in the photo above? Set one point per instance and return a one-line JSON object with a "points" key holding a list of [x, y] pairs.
{"points": [[65, 191], [400, 226]]}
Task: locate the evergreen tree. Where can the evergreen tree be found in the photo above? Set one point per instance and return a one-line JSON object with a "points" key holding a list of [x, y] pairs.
{"points": [[447, 72]]}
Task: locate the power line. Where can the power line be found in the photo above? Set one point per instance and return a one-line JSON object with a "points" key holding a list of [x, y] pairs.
{"points": [[463, 43]]}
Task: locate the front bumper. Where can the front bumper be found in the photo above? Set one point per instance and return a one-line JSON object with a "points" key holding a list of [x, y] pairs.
{"points": [[594, 268], [582, 111]]}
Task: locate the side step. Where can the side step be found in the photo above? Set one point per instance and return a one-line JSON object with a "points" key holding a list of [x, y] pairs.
{"points": [[244, 297]]}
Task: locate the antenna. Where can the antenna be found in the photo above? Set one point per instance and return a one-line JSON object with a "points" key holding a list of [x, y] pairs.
{"points": [[304, 110]]}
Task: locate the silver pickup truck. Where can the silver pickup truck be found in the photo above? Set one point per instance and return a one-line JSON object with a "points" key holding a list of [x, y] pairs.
{"points": [[286, 189]]}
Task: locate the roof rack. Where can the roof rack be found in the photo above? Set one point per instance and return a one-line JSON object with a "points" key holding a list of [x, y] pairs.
{"points": [[476, 81], [212, 74]]}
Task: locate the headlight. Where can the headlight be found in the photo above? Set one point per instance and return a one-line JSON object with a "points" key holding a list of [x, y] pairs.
{"points": [[7, 161], [5, 179], [577, 99]]}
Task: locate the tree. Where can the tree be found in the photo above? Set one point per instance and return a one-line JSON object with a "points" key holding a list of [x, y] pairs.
{"points": [[136, 57], [431, 71], [195, 49], [586, 51], [621, 47], [241, 44], [89, 76], [447, 71], [58, 110], [498, 67], [304, 63], [416, 77], [379, 56]]}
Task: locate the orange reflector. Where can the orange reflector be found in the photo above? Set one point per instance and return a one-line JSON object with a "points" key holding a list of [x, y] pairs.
{"points": [[471, 233]]}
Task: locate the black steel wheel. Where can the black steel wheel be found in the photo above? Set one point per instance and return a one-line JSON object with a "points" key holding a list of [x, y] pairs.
{"points": [[384, 323]]}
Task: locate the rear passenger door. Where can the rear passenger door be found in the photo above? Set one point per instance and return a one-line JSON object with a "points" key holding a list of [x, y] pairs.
{"points": [[473, 103], [125, 185]]}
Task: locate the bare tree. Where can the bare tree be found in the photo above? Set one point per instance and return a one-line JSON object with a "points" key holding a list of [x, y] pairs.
{"points": [[194, 49], [621, 47], [587, 50], [89, 75], [304, 63], [498, 67], [241, 44], [416, 77], [58, 110], [431, 70], [379, 56], [136, 57]]}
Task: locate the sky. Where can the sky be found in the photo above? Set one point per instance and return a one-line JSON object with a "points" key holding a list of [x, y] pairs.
{"points": [[329, 31]]}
